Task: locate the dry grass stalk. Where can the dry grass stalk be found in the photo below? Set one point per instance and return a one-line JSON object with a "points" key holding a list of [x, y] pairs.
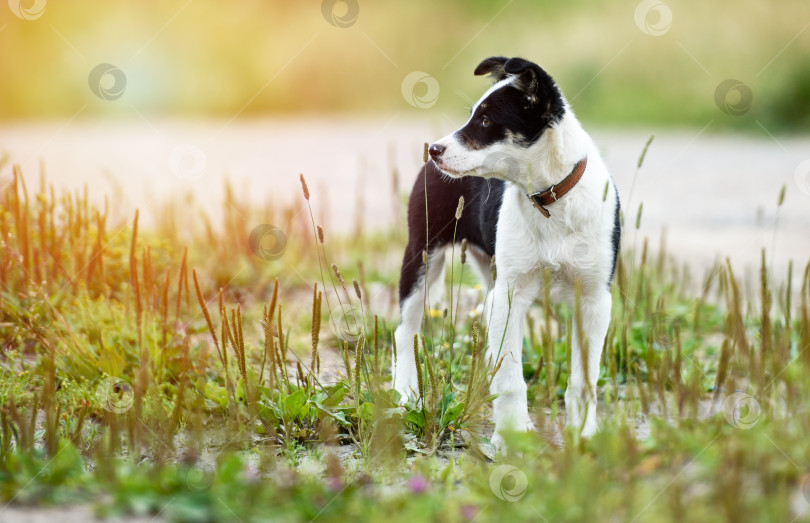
{"points": [[358, 362], [180, 281], [419, 379], [345, 354], [207, 316], [315, 364]]}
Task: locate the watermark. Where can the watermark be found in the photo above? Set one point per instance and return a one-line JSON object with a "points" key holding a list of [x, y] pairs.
{"points": [[661, 329], [35, 9], [420, 89], [349, 324], [802, 177], [340, 13], [741, 410], [115, 395], [267, 242], [195, 478], [107, 81], [579, 249], [733, 97], [653, 17], [508, 483], [187, 162], [503, 164]]}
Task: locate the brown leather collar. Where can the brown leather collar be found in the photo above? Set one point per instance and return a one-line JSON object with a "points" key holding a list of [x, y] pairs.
{"points": [[557, 191]]}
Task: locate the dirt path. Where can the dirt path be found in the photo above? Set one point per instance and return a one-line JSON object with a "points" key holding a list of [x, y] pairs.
{"points": [[716, 194]]}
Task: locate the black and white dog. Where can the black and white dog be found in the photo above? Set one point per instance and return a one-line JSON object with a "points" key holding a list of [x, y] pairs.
{"points": [[540, 199]]}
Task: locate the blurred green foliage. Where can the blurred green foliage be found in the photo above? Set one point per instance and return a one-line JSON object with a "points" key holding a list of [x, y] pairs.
{"points": [[205, 59]]}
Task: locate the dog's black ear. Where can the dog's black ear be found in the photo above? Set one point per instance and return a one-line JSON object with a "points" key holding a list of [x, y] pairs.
{"points": [[531, 78], [492, 66], [538, 85]]}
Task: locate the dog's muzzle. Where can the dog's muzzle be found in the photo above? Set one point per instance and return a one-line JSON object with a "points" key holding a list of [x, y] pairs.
{"points": [[436, 150]]}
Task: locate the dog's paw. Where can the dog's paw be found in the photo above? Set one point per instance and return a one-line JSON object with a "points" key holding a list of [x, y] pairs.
{"points": [[590, 428], [407, 386], [585, 429], [406, 395], [498, 440], [499, 444]]}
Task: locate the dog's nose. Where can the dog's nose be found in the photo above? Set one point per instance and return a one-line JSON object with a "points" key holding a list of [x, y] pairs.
{"points": [[436, 151]]}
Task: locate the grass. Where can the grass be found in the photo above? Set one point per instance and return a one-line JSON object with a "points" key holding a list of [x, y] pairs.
{"points": [[199, 381]]}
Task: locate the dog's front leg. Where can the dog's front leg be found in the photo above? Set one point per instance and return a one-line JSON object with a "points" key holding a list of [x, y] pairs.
{"points": [[580, 396], [404, 371], [506, 312]]}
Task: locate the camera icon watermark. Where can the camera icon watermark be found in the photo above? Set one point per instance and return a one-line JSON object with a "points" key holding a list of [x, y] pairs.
{"points": [[741, 410], [502, 164], [578, 248], [508, 483], [107, 81], [35, 9], [733, 97], [653, 17], [115, 395], [340, 13], [349, 324], [420, 89], [187, 162], [267, 242], [661, 329], [802, 177], [195, 478]]}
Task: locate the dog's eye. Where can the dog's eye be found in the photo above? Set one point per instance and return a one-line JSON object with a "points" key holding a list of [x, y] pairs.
{"points": [[485, 121]]}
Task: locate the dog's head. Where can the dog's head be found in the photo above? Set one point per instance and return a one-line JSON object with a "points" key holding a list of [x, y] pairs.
{"points": [[507, 121]]}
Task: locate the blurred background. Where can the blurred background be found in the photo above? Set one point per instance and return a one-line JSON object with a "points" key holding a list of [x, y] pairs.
{"points": [[202, 58], [153, 101]]}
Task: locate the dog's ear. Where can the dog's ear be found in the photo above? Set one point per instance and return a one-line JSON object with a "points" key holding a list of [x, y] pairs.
{"points": [[530, 78], [493, 66]]}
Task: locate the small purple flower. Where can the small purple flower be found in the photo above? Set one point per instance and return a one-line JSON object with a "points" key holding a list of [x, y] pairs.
{"points": [[418, 484], [334, 483], [469, 512]]}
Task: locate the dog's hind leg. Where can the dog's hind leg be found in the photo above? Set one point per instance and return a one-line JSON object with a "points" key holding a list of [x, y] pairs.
{"points": [[414, 284], [580, 396], [481, 265]]}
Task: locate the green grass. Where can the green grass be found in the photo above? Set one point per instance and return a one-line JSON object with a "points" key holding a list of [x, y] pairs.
{"points": [[145, 375]]}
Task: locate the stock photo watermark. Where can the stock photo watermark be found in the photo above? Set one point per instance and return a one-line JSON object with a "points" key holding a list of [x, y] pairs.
{"points": [[34, 9], [653, 17], [340, 13], [349, 324], [741, 410], [267, 242], [107, 81], [802, 177], [502, 163], [579, 248], [420, 89], [196, 478], [187, 162], [661, 329], [115, 395], [733, 97], [508, 483]]}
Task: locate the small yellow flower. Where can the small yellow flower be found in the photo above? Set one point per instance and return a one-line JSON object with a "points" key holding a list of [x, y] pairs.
{"points": [[435, 313]]}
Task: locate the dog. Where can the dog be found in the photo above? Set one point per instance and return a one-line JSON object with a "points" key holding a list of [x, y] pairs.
{"points": [[538, 198]]}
